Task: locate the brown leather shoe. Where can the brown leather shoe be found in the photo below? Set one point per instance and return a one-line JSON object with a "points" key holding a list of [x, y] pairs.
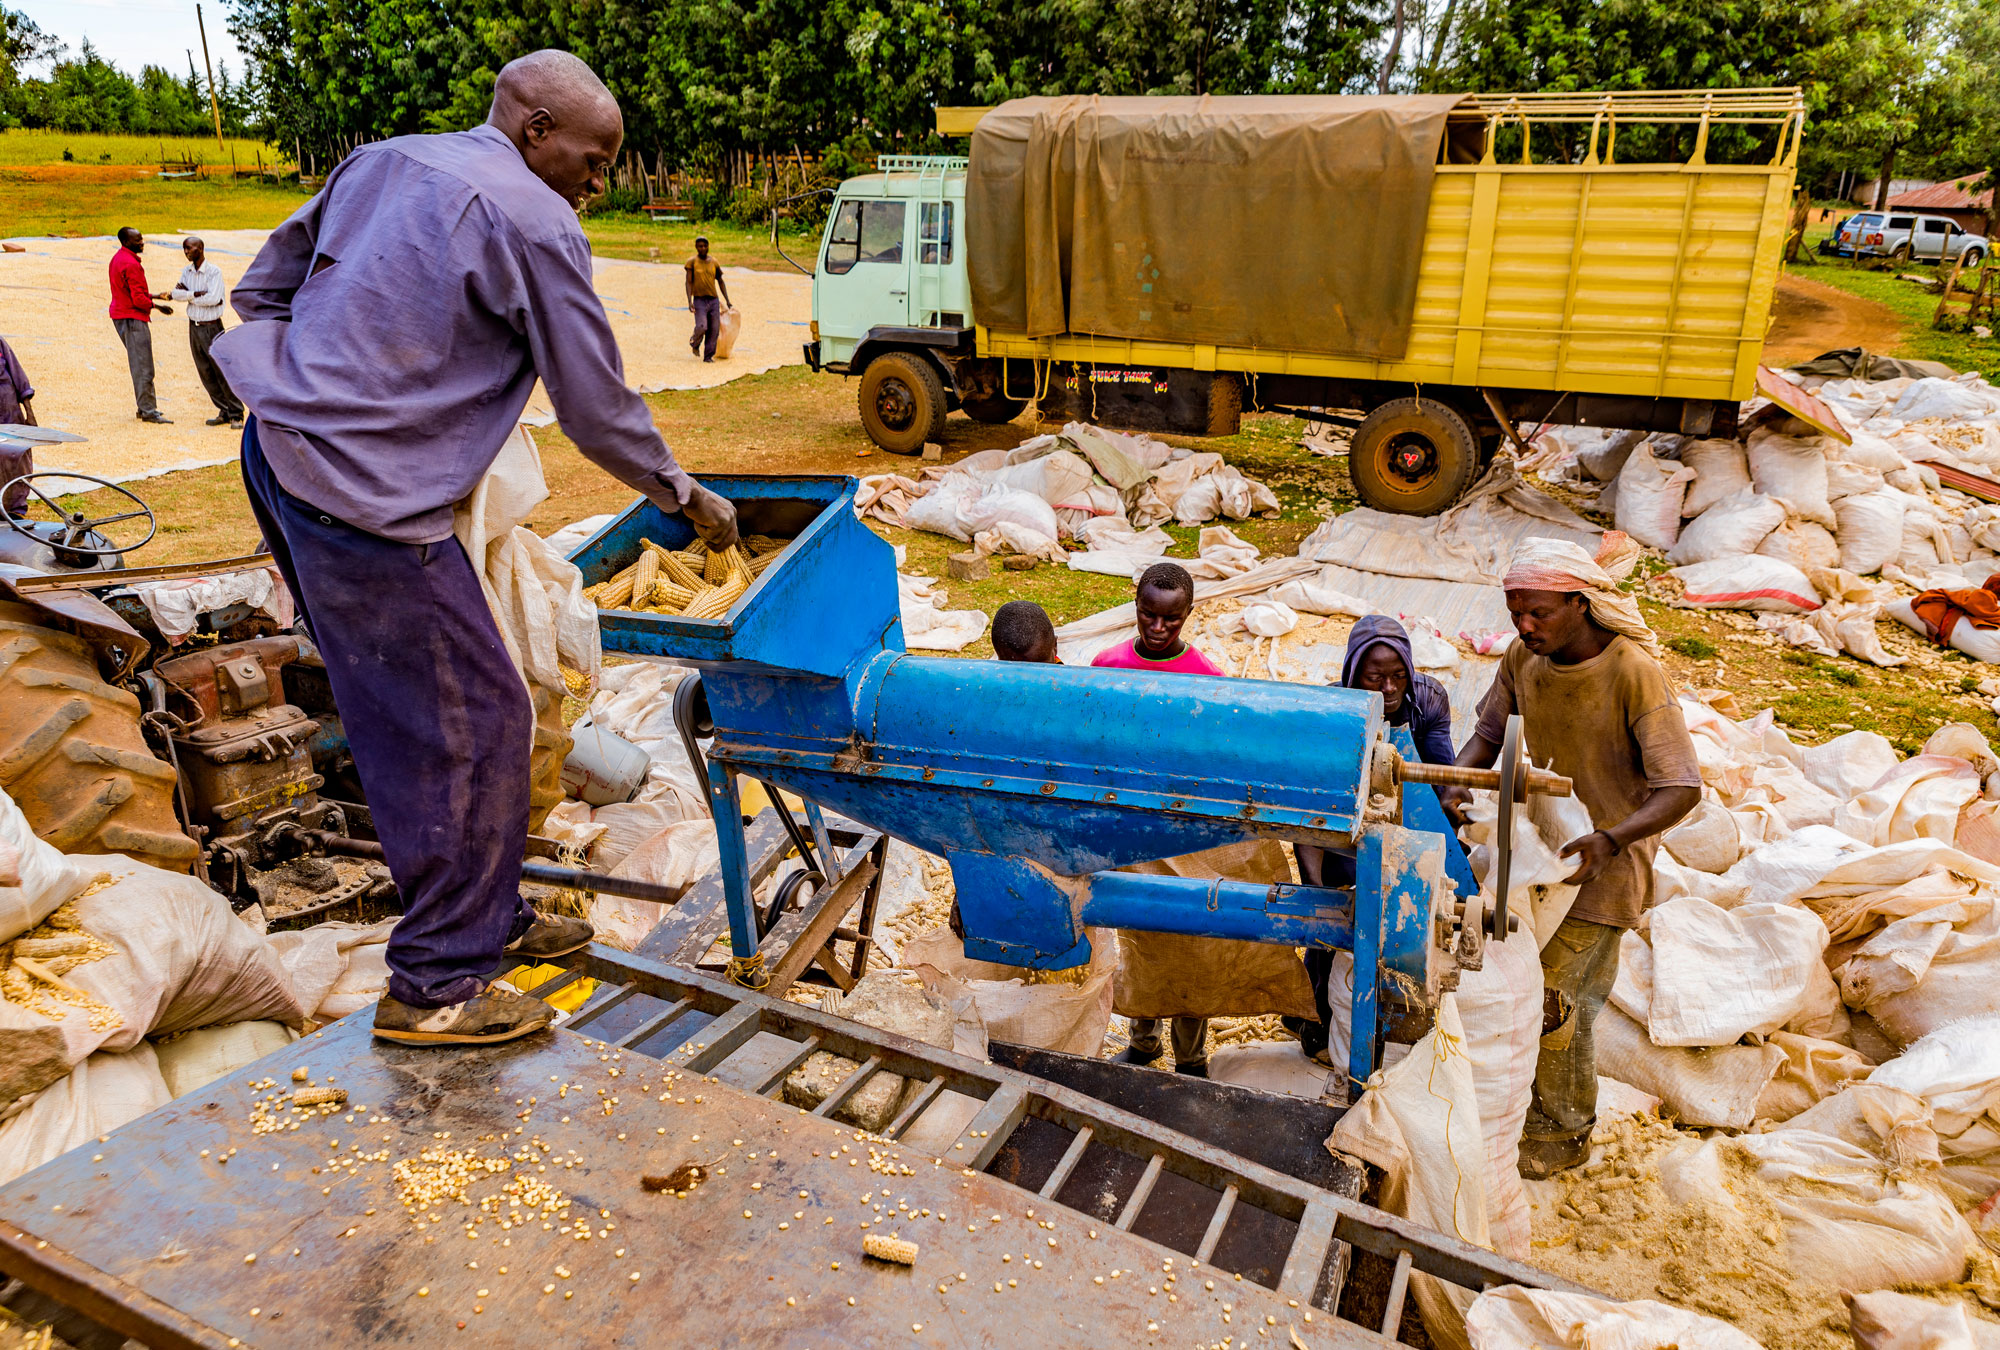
{"points": [[552, 935], [488, 1018]]}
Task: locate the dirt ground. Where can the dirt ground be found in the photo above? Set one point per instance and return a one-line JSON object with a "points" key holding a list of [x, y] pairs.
{"points": [[1809, 317], [55, 319]]}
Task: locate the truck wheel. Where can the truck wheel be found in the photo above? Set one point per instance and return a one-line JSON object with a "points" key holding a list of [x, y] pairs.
{"points": [[1899, 254], [72, 755], [902, 402], [1225, 406], [1413, 456], [994, 409]]}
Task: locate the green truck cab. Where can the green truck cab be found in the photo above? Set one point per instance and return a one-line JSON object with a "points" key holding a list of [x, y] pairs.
{"points": [[891, 303], [1624, 283]]}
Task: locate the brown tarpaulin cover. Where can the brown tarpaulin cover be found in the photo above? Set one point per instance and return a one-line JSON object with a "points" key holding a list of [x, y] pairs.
{"points": [[1287, 221]]}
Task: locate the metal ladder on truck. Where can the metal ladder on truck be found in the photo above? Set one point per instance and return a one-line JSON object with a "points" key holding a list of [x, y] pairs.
{"points": [[934, 213]]}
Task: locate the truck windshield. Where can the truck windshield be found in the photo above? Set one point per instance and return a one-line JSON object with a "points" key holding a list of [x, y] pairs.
{"points": [[1868, 220], [865, 231]]}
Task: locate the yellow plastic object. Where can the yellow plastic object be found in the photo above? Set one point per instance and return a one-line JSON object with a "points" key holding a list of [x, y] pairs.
{"points": [[567, 999], [755, 797], [1597, 276]]}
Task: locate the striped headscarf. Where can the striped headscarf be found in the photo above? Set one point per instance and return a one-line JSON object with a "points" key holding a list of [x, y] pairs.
{"points": [[1557, 565]]}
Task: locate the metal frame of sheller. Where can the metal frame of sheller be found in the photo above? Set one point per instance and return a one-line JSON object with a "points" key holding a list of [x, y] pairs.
{"points": [[1328, 1226]]}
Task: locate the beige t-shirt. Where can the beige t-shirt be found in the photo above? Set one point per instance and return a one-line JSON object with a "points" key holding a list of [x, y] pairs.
{"points": [[1611, 725]]}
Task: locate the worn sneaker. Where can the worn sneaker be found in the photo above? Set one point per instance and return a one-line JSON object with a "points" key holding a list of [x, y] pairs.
{"points": [[219, 420], [552, 935], [488, 1018]]}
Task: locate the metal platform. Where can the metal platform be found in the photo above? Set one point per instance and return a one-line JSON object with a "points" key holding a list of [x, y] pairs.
{"points": [[146, 1235]]}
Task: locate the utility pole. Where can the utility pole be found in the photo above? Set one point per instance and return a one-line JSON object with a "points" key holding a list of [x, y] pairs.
{"points": [[213, 106]]}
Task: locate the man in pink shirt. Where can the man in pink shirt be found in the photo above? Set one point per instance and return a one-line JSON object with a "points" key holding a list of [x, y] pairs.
{"points": [[132, 307], [1165, 597], [1166, 594]]}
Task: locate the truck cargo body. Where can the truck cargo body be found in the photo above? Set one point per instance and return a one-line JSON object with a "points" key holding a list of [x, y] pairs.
{"points": [[1597, 292]]}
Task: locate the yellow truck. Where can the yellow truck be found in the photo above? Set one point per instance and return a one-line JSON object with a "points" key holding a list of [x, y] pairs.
{"points": [[1432, 270]]}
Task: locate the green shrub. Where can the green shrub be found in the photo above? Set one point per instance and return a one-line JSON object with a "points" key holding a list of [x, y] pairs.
{"points": [[751, 208], [1694, 648]]}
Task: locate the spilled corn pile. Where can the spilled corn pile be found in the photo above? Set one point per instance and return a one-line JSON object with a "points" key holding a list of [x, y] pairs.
{"points": [[1613, 1226], [692, 583]]}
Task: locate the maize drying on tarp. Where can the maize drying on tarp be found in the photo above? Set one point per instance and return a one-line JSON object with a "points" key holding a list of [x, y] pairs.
{"points": [[691, 583]]}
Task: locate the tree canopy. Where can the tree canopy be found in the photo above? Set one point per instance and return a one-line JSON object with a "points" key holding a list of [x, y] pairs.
{"points": [[1899, 87]]}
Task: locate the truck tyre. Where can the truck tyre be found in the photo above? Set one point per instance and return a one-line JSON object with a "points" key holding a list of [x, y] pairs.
{"points": [[1225, 406], [1899, 254], [902, 402], [994, 409], [1413, 456], [72, 755]]}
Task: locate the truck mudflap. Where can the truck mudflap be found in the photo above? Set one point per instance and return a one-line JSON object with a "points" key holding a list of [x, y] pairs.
{"points": [[812, 356]]}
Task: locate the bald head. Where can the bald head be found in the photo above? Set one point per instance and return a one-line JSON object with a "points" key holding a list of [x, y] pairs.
{"points": [[561, 118]]}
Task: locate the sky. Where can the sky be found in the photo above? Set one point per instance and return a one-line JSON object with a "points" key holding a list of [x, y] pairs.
{"points": [[135, 33]]}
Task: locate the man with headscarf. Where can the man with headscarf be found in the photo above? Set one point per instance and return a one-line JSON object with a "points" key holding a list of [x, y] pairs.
{"points": [[1596, 706], [392, 330], [1379, 658]]}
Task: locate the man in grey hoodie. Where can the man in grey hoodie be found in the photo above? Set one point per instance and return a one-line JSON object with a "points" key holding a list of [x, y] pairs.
{"points": [[1378, 658]]}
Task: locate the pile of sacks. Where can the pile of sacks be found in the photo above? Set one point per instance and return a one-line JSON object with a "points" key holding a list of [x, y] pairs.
{"points": [[123, 986], [1789, 522], [1082, 483], [1815, 998]]}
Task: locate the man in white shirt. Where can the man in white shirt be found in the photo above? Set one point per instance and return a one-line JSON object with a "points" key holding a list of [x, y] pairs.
{"points": [[201, 287]]}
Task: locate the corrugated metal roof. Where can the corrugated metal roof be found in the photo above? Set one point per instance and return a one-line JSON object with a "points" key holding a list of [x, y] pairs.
{"points": [[1950, 196]]}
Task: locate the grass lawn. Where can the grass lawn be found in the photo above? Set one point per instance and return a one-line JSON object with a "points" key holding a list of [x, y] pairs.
{"points": [[20, 145], [1913, 304], [1818, 697], [32, 205], [628, 234], [37, 201]]}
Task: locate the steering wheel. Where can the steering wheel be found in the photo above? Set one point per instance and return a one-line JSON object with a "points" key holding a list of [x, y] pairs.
{"points": [[77, 528]]}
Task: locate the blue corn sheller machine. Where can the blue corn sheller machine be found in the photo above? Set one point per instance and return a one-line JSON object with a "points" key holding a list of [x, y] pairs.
{"points": [[1034, 781]]}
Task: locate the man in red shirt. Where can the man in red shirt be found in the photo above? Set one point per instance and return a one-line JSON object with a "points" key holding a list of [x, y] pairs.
{"points": [[132, 307]]}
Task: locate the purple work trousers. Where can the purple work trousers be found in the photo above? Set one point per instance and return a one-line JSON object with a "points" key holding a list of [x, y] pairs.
{"points": [[439, 723], [707, 325]]}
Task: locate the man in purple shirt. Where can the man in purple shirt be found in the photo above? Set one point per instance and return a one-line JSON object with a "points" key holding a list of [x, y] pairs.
{"points": [[17, 408], [392, 330]]}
